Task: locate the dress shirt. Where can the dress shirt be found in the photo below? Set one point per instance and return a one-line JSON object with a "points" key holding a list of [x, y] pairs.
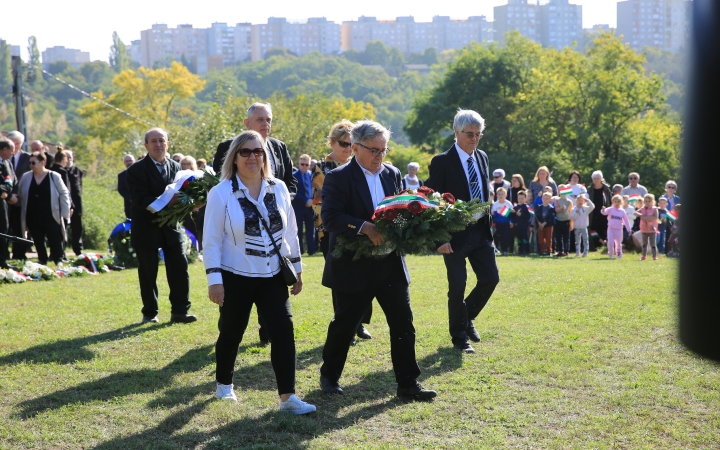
{"points": [[271, 157], [463, 159], [377, 192]]}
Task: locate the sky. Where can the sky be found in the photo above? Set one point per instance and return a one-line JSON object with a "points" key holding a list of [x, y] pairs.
{"points": [[88, 25]]}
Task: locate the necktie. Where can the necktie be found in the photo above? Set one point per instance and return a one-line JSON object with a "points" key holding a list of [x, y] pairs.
{"points": [[308, 189], [475, 191], [12, 159]]}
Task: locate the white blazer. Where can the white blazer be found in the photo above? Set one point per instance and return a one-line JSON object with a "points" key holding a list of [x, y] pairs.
{"points": [[59, 199], [234, 239]]}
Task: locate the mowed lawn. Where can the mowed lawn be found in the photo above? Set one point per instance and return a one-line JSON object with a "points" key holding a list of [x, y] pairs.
{"points": [[575, 354]]}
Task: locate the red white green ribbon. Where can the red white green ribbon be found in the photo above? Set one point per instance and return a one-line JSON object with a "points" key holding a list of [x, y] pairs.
{"points": [[567, 190], [672, 216], [634, 198], [401, 202], [505, 211]]}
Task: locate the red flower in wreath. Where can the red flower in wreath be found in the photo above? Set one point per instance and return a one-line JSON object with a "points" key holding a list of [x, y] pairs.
{"points": [[405, 191], [426, 191], [390, 214], [448, 197], [415, 207], [185, 184], [377, 215]]}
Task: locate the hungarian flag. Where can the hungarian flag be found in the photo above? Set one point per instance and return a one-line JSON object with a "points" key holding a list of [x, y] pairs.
{"points": [[567, 190], [593, 233], [672, 216], [634, 198], [8, 180], [505, 211], [531, 210]]}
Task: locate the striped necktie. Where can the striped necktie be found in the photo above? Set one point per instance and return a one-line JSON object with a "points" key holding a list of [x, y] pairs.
{"points": [[475, 191]]}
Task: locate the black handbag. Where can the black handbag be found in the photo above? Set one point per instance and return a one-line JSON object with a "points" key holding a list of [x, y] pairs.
{"points": [[286, 268]]}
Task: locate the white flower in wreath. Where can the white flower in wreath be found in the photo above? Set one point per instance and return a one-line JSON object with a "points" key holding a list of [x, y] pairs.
{"points": [[3, 275]]}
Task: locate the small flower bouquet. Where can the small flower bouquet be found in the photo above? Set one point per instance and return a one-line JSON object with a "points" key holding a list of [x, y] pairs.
{"points": [[93, 262], [11, 276], [193, 188], [72, 271], [412, 223], [38, 272]]}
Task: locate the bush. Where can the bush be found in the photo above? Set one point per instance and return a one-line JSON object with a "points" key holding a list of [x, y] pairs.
{"points": [[103, 210]]}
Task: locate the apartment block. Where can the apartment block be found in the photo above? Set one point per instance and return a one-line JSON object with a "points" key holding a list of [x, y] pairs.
{"points": [[317, 34], [161, 42], [560, 24], [517, 15], [656, 23], [134, 51], [233, 43], [76, 58]]}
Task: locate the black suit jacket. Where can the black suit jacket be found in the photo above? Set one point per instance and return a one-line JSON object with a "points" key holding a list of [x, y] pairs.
{"points": [[23, 166], [124, 190], [60, 170], [447, 174], [7, 186], [346, 205], [146, 184], [278, 150], [75, 176]]}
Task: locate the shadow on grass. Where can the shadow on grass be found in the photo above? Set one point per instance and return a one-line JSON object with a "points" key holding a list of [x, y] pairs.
{"points": [[72, 350], [279, 430]]}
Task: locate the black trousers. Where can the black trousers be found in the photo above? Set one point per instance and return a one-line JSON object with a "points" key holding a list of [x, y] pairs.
{"points": [[176, 269], [304, 219], [479, 251], [394, 299], [521, 230], [502, 233], [272, 299], [18, 248], [562, 236], [76, 225], [42, 229]]}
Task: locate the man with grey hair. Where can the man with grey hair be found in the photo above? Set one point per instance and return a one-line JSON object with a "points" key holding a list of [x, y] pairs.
{"points": [[75, 177], [463, 171], [20, 162], [122, 186], [634, 186], [350, 195], [147, 180]]}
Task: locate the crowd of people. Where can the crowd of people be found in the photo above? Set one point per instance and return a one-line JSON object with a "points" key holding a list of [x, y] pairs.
{"points": [[40, 198]]}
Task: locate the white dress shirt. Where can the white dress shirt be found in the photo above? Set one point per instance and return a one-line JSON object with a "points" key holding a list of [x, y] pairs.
{"points": [[463, 159], [377, 192]]}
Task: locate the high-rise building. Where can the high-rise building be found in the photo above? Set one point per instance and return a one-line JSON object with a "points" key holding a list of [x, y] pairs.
{"points": [[76, 58], [560, 24], [317, 34], [161, 42], [655, 23], [134, 51], [516, 15], [14, 50]]}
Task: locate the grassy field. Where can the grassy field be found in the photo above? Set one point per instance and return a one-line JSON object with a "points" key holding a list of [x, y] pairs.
{"points": [[575, 354]]}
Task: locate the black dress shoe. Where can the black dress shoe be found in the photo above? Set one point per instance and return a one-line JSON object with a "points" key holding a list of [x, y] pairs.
{"points": [[464, 347], [182, 318], [330, 387], [472, 333], [147, 319], [416, 392], [363, 333]]}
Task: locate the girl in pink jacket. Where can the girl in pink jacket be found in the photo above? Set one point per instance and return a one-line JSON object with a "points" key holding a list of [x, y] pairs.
{"points": [[617, 217]]}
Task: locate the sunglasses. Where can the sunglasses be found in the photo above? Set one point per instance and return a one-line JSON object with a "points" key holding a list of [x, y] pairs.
{"points": [[344, 144], [497, 176], [671, 187], [245, 152], [304, 164], [632, 178], [32, 163]]}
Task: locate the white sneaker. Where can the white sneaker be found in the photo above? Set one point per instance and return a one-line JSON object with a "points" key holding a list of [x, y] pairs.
{"points": [[296, 406], [225, 392]]}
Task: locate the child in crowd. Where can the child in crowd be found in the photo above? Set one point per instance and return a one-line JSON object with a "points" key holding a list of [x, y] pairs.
{"points": [[648, 216], [561, 229], [537, 201], [545, 218], [673, 242], [521, 222], [501, 210], [580, 214], [662, 223], [630, 211], [617, 217]]}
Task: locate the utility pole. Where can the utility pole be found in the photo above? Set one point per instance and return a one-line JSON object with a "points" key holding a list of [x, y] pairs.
{"points": [[17, 72]]}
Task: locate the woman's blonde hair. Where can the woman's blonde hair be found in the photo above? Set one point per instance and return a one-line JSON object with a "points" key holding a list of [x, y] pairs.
{"points": [[229, 169], [549, 178], [191, 160], [651, 197], [338, 130]]}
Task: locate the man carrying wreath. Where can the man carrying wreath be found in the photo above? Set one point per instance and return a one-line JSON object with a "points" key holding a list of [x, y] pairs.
{"points": [[350, 195], [463, 171]]}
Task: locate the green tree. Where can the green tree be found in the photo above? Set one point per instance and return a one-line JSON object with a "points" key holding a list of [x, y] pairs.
{"points": [[5, 66], [430, 56], [376, 53], [119, 59], [34, 66]]}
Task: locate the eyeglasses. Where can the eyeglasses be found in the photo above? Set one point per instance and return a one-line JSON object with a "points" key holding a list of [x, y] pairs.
{"points": [[632, 178], [375, 151], [472, 135], [670, 187], [32, 163], [344, 144], [304, 164], [245, 152], [497, 176]]}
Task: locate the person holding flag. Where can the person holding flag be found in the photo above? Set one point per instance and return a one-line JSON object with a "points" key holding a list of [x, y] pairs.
{"points": [[561, 230], [501, 211], [523, 214]]}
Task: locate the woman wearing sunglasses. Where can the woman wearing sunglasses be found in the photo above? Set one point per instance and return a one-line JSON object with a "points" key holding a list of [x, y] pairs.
{"points": [[248, 216], [339, 142], [44, 203]]}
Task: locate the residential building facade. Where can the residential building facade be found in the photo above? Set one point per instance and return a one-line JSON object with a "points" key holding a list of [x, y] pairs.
{"points": [[76, 58], [560, 24], [655, 23], [317, 34]]}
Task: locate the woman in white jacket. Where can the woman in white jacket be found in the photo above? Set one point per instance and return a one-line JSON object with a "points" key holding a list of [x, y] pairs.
{"points": [[243, 268], [44, 203]]}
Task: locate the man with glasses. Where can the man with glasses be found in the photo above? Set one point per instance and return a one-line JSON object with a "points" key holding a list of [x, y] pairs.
{"points": [[634, 187], [350, 194], [147, 180], [463, 171], [302, 204]]}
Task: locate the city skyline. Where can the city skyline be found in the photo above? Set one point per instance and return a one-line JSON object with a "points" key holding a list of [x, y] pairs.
{"points": [[128, 22]]}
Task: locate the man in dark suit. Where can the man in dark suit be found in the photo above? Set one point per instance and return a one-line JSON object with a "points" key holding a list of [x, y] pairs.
{"points": [[122, 186], [75, 175], [350, 194], [302, 204], [259, 118], [7, 195], [463, 171], [147, 180], [20, 162]]}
